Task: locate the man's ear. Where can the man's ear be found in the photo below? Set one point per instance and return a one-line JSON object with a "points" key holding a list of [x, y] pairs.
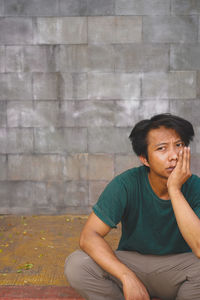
{"points": [[144, 161]]}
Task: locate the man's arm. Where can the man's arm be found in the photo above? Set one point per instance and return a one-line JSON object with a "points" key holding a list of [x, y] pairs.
{"points": [[93, 243], [188, 222]]}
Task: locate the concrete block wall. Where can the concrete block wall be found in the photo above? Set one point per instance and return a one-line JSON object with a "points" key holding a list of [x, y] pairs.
{"points": [[75, 76]]}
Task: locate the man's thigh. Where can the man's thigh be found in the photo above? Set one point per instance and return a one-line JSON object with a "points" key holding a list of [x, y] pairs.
{"points": [[164, 276]]}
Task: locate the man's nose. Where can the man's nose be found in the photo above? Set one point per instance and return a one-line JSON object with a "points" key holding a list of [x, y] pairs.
{"points": [[173, 154]]}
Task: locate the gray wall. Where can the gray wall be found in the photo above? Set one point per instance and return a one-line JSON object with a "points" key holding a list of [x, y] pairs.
{"points": [[75, 75]]}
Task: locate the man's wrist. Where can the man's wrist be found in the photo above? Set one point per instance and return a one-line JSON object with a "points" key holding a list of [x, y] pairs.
{"points": [[127, 274], [174, 191]]}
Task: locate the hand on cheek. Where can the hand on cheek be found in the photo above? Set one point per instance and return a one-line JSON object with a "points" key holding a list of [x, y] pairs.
{"points": [[182, 170]]}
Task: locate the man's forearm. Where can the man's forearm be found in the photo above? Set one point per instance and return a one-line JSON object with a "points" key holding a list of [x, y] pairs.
{"points": [[188, 222], [96, 247]]}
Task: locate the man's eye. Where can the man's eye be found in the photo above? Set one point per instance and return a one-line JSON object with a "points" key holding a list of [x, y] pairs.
{"points": [[161, 148], [179, 145]]}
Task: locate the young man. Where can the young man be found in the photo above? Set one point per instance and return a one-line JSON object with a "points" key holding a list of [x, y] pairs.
{"points": [[158, 205]]}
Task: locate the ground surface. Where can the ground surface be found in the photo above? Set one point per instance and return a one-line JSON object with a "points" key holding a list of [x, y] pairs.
{"points": [[33, 249]]}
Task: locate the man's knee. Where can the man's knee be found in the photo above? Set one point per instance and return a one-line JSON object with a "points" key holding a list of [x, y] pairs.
{"points": [[74, 267]]}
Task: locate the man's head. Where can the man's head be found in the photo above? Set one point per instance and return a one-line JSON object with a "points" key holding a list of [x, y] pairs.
{"points": [[139, 134]]}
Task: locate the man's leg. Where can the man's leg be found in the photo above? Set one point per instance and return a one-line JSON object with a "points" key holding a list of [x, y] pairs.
{"points": [[168, 277], [89, 279], [190, 289]]}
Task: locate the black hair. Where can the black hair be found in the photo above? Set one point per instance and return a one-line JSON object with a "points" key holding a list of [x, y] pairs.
{"points": [[140, 131]]}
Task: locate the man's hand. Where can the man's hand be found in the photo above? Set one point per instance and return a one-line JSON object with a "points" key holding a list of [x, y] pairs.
{"points": [[133, 288], [181, 172]]}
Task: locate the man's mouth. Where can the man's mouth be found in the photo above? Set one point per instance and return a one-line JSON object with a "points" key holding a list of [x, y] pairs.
{"points": [[170, 169]]}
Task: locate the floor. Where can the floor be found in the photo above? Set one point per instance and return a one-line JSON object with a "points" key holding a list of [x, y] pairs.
{"points": [[33, 249]]}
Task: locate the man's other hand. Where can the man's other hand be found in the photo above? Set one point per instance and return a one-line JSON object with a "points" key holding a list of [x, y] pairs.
{"points": [[133, 288]]}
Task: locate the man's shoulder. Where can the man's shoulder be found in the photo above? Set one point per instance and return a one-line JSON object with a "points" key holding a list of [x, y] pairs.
{"points": [[192, 186], [125, 182], [194, 179], [131, 175]]}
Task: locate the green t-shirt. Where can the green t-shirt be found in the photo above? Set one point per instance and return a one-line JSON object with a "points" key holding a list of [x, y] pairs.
{"points": [[148, 222]]}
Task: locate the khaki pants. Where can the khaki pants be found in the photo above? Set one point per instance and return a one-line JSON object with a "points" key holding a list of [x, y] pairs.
{"points": [[168, 277]]}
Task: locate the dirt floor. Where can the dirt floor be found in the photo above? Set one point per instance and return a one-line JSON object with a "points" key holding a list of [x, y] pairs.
{"points": [[33, 249]]}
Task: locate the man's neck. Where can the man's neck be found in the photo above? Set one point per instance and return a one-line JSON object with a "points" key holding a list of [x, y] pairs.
{"points": [[159, 186]]}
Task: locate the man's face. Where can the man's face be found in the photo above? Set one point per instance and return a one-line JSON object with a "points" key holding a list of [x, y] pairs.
{"points": [[163, 148]]}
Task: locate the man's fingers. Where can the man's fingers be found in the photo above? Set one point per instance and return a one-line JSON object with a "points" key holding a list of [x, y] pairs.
{"points": [[180, 159], [184, 160], [188, 159]]}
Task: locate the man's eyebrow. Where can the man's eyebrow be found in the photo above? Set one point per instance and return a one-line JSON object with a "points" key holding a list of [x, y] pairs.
{"points": [[164, 143]]}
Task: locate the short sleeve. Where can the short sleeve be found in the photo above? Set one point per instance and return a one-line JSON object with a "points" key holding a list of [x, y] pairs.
{"points": [[194, 194], [112, 203]]}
